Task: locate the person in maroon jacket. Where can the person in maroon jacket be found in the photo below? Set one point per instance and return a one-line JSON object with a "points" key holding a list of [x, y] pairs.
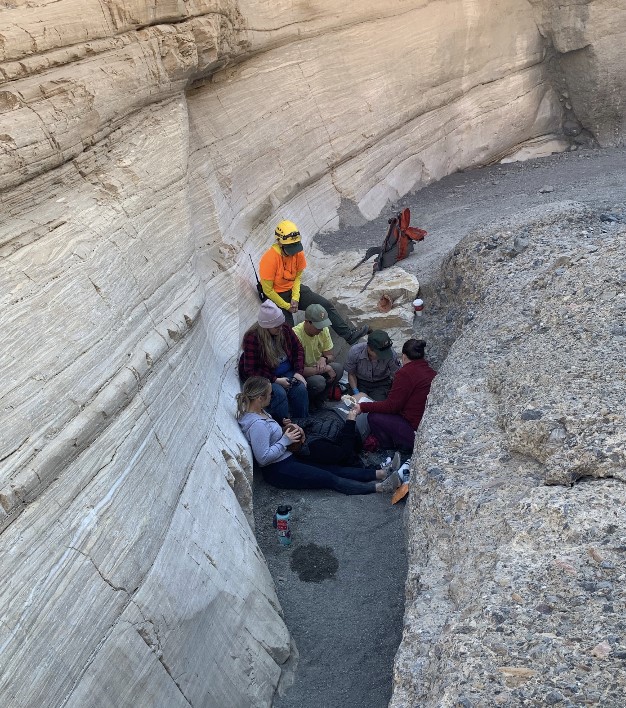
{"points": [[393, 422], [272, 350]]}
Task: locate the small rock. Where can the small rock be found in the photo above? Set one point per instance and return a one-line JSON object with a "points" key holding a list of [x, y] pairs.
{"points": [[530, 414], [554, 697], [546, 190], [601, 650], [572, 128], [609, 218], [520, 244]]}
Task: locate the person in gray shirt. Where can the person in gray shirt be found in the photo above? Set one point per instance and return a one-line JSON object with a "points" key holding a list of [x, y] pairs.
{"points": [[371, 366]]}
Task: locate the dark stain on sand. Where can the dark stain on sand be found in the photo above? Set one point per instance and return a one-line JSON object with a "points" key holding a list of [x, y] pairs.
{"points": [[314, 563]]}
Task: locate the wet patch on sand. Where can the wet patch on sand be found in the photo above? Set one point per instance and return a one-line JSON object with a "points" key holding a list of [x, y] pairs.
{"points": [[314, 563]]}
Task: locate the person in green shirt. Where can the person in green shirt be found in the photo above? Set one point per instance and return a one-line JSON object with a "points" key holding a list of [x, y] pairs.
{"points": [[320, 368]]}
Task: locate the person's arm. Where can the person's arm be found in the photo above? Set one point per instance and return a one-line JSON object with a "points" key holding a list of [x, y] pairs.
{"points": [[267, 275], [300, 266], [395, 401], [268, 289], [351, 367], [326, 345], [295, 290], [263, 450]]}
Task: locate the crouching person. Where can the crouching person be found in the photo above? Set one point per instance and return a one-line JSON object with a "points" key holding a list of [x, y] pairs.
{"points": [[278, 465], [372, 365], [320, 368]]}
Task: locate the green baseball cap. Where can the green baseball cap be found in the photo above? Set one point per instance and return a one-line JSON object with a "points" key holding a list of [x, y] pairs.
{"points": [[317, 316], [379, 342]]}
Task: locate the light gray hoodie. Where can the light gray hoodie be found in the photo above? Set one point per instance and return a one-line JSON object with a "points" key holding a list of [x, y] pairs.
{"points": [[265, 437]]}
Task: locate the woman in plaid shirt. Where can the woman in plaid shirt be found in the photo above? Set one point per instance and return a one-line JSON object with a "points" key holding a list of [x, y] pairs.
{"points": [[272, 350]]}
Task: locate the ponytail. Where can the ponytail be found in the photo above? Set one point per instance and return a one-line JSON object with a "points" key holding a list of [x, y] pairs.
{"points": [[254, 387]]}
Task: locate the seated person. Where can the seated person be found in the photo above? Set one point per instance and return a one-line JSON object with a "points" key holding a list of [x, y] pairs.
{"points": [[320, 369], [281, 269], [272, 350], [393, 422], [371, 366], [280, 468]]}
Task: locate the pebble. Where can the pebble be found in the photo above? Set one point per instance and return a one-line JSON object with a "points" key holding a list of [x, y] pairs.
{"points": [[546, 190]]}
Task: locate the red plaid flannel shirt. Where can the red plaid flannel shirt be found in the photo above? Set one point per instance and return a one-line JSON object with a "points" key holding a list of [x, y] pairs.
{"points": [[251, 363]]}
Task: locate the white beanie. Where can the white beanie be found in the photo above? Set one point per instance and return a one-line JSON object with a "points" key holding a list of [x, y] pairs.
{"points": [[270, 315]]}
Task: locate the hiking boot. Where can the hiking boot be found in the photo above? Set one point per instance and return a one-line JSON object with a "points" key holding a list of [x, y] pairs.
{"points": [[404, 472], [391, 465], [356, 334], [389, 485]]}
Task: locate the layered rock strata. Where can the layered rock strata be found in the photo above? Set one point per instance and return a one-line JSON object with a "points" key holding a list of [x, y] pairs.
{"points": [[515, 594], [147, 150]]}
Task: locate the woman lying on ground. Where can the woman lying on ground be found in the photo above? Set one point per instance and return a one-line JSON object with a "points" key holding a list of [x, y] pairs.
{"points": [[272, 350], [280, 467], [393, 422]]}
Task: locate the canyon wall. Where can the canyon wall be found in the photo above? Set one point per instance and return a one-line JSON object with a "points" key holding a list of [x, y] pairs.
{"points": [[146, 151], [515, 591]]}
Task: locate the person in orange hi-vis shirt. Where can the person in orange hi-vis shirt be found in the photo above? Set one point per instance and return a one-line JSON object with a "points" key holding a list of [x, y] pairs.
{"points": [[281, 269]]}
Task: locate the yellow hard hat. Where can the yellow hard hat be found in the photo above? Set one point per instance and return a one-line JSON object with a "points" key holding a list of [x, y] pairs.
{"points": [[288, 237]]}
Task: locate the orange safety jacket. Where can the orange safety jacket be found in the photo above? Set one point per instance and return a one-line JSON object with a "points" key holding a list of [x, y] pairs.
{"points": [[280, 273]]}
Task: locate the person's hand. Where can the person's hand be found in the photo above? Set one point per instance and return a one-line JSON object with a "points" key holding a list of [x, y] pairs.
{"points": [[359, 396], [284, 382], [293, 434], [330, 371], [356, 410], [293, 307], [286, 422], [352, 413], [300, 378], [321, 364]]}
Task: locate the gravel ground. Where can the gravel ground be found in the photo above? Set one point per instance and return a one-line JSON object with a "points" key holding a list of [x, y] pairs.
{"points": [[341, 582]]}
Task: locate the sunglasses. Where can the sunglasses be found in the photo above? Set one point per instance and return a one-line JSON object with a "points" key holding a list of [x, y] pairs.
{"points": [[293, 234]]}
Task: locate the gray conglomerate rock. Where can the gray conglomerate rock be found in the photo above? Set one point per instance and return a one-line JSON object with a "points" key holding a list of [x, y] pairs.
{"points": [[517, 521]]}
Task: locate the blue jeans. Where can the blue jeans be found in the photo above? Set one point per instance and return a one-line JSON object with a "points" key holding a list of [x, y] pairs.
{"points": [[289, 402], [291, 473]]}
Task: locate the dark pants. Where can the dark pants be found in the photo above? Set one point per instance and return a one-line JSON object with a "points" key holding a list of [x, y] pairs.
{"points": [[292, 402], [391, 431], [319, 384], [376, 390], [308, 297], [291, 473]]}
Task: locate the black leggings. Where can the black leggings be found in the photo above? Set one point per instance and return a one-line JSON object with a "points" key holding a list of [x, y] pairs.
{"points": [[291, 473]]}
